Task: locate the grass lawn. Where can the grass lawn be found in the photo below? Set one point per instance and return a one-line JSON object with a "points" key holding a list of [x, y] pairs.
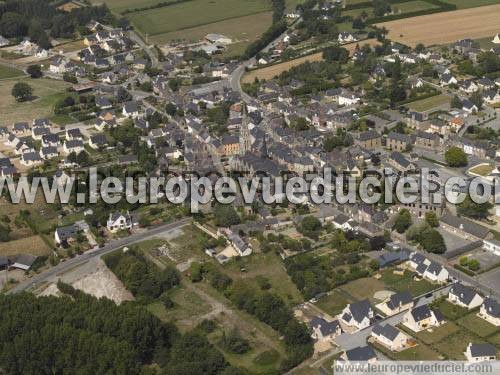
{"points": [[405, 282], [477, 325], [187, 307], [482, 169], [463, 4], [244, 29], [269, 266], [438, 333], [194, 13], [495, 340], [486, 43], [363, 288], [451, 311], [8, 72], [333, 303], [46, 92], [70, 46], [453, 347], [418, 353], [190, 244], [429, 103], [31, 244], [412, 6]]}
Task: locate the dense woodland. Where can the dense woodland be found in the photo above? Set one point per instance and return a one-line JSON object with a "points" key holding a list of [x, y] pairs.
{"points": [[78, 333]]}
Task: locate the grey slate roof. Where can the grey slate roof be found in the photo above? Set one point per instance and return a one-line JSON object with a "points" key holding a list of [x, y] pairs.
{"points": [[492, 307], [420, 313], [360, 309], [326, 327], [360, 353], [399, 299], [463, 293], [387, 331], [483, 350], [465, 225]]}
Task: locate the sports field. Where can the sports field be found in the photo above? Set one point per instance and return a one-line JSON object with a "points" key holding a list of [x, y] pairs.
{"points": [[446, 27]]}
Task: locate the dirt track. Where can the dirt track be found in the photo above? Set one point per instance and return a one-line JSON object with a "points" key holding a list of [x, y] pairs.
{"points": [[446, 27]]}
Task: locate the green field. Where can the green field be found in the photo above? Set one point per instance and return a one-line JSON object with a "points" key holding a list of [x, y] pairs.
{"points": [[334, 303], [45, 91], [401, 8], [8, 72], [194, 13], [245, 29], [429, 103], [438, 333], [463, 4]]}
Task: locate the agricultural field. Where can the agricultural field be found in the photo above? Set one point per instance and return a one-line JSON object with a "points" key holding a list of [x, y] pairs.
{"points": [[245, 29], [7, 72], [401, 8], [464, 4], [429, 104], [193, 14], [45, 91], [441, 28]]}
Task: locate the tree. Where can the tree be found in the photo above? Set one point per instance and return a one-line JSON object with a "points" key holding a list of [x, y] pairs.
{"points": [[225, 215], [122, 95], [13, 25], [21, 91], [35, 71], [474, 210], [477, 99], [473, 264], [456, 102], [381, 7], [4, 233], [455, 157], [432, 219], [403, 221], [432, 241], [171, 109], [336, 53]]}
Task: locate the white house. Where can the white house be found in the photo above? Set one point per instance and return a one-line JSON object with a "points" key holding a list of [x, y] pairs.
{"points": [[492, 245], [30, 159], [348, 98], [436, 272], [389, 336], [396, 303], [496, 39], [357, 314], [323, 330], [480, 352], [464, 296], [130, 109], [75, 146], [346, 37], [448, 79], [119, 221], [490, 311], [422, 317]]}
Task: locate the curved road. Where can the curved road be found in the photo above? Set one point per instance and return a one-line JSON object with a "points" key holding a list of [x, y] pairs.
{"points": [[63, 267]]}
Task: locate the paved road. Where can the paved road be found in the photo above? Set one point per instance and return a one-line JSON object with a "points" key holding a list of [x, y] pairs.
{"points": [[137, 39], [63, 267]]}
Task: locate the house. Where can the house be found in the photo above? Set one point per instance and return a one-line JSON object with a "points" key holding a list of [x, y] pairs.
{"points": [[119, 221], [103, 103], [30, 159], [98, 141], [230, 145], [347, 98], [49, 152], [490, 311], [21, 128], [357, 314], [422, 317], [492, 246], [75, 146], [397, 302], [448, 79], [58, 65], [400, 162], [389, 336], [50, 140], [218, 39], [4, 41], [427, 140], [436, 273], [485, 83], [346, 37], [23, 261], [370, 140], [468, 86], [496, 39], [469, 107], [491, 96], [130, 109], [64, 235], [480, 352], [359, 354], [463, 227], [398, 142], [464, 296], [323, 330], [74, 134], [38, 132]]}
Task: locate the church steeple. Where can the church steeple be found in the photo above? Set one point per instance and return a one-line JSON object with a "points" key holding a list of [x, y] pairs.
{"points": [[245, 142]]}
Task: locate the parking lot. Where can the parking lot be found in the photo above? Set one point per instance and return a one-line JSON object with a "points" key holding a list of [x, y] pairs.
{"points": [[491, 279]]}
